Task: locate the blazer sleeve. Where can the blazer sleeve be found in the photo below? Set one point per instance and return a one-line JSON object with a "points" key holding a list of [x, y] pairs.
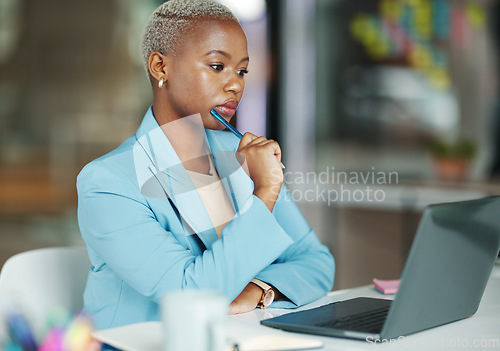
{"points": [[305, 271], [119, 226]]}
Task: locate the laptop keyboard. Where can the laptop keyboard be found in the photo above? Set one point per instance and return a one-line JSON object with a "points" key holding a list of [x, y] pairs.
{"points": [[368, 322]]}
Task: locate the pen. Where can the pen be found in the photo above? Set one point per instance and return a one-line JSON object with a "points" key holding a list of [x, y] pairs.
{"points": [[230, 127], [20, 332], [226, 124]]}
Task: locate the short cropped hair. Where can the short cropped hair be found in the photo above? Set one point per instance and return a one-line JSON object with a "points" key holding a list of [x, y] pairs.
{"points": [[172, 18]]}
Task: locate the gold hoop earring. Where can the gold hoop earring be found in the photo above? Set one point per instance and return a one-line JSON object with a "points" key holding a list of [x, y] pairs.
{"points": [[161, 82]]}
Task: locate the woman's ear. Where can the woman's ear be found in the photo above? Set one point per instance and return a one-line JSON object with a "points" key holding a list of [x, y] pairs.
{"points": [[157, 65]]}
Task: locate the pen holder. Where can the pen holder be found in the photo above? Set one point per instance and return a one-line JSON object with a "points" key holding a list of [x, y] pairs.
{"points": [[194, 320]]}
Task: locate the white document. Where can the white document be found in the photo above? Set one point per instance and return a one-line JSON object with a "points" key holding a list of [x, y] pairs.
{"points": [[147, 336]]}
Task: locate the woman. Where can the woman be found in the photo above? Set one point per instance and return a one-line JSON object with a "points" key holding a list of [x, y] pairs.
{"points": [[171, 208]]}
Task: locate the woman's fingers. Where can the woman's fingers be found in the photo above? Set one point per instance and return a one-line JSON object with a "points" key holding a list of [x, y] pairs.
{"points": [[269, 146], [260, 158], [247, 139]]}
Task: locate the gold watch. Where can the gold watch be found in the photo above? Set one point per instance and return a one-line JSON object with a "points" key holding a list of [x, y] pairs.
{"points": [[267, 293]]}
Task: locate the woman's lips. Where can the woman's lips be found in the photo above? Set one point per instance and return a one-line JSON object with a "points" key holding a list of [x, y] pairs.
{"points": [[228, 108]]}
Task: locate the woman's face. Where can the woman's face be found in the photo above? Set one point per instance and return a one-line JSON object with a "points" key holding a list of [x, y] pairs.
{"points": [[207, 71]]}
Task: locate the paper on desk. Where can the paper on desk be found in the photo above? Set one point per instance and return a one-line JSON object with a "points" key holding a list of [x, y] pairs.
{"points": [[133, 337], [256, 337], [147, 336]]}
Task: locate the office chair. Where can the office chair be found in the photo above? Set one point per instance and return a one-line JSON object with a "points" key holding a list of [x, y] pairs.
{"points": [[37, 281]]}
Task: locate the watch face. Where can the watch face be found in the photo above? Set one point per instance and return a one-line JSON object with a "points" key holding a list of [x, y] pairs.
{"points": [[268, 298]]}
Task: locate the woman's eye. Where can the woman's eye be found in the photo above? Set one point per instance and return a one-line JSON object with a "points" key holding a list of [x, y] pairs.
{"points": [[217, 67], [242, 72]]}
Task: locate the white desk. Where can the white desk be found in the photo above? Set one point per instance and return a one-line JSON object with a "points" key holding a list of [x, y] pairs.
{"points": [[479, 332]]}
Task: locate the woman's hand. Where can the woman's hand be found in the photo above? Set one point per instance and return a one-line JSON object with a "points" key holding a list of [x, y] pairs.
{"points": [[247, 300], [261, 158]]}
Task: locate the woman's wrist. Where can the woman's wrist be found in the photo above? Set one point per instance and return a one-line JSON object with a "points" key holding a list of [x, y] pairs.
{"points": [[247, 300], [255, 291], [268, 196]]}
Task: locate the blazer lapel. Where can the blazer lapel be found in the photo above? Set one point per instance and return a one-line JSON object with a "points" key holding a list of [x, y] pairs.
{"points": [[165, 167], [237, 183]]}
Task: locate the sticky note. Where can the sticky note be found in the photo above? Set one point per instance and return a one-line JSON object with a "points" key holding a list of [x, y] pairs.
{"points": [[386, 286]]}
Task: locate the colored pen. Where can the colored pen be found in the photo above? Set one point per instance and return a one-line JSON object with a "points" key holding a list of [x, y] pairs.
{"points": [[20, 332], [226, 124], [230, 127]]}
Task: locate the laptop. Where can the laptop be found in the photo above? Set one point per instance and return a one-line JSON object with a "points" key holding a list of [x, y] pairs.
{"points": [[443, 280]]}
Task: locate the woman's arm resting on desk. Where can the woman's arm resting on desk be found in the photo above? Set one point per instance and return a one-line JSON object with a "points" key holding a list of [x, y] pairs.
{"points": [[120, 228], [302, 274], [305, 271], [247, 300], [250, 297]]}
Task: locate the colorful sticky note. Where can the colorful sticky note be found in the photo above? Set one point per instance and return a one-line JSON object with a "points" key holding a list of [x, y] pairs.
{"points": [[386, 286]]}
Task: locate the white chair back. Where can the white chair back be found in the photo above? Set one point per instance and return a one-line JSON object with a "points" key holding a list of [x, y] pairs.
{"points": [[37, 281]]}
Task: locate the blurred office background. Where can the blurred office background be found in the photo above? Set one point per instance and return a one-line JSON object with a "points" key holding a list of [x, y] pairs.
{"points": [[375, 88]]}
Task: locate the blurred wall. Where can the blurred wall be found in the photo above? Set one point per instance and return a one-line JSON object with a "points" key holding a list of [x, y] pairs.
{"points": [[72, 87]]}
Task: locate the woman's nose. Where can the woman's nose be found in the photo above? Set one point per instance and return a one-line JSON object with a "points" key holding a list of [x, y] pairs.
{"points": [[234, 84]]}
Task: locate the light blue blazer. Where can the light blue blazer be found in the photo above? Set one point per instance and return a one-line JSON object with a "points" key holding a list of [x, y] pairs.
{"points": [[147, 232]]}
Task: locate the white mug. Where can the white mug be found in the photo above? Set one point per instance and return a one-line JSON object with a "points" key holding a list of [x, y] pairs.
{"points": [[194, 320]]}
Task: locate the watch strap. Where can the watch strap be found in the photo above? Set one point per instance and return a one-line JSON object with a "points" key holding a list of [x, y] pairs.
{"points": [[261, 284]]}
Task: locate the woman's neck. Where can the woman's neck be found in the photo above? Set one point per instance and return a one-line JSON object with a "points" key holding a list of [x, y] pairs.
{"points": [[187, 137]]}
